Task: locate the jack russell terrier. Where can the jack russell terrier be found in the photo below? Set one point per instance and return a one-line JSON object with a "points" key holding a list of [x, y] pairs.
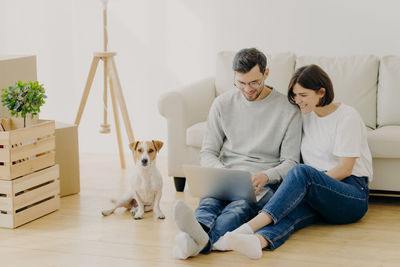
{"points": [[145, 189]]}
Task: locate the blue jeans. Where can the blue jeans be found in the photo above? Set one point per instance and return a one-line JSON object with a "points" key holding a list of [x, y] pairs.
{"points": [[218, 216], [306, 195]]}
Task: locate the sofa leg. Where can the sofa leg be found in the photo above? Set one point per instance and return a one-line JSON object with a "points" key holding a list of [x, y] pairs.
{"points": [[179, 183]]}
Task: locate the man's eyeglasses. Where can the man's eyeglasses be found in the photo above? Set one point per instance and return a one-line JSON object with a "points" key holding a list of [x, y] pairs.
{"points": [[253, 85]]}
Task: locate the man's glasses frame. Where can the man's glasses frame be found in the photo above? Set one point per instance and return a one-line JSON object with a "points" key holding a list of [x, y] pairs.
{"points": [[253, 85]]}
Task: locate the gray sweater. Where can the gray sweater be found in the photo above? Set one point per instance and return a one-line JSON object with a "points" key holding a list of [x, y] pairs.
{"points": [[256, 136]]}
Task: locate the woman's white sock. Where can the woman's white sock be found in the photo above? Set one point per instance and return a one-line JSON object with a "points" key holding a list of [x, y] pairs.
{"points": [[247, 244], [243, 229], [221, 243]]}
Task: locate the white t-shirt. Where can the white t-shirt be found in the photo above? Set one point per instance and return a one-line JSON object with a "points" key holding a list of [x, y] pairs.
{"points": [[339, 134]]}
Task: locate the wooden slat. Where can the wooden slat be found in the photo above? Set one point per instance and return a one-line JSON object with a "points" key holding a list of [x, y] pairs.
{"points": [[37, 195], [32, 165], [17, 123], [6, 203], [5, 172], [7, 220], [5, 187], [36, 211], [33, 149], [5, 154], [6, 124], [41, 129], [4, 138], [36, 178]]}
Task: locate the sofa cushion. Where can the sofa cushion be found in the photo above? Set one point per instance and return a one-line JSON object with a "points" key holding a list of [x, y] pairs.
{"points": [[389, 91], [195, 134], [281, 70], [384, 142], [354, 80]]}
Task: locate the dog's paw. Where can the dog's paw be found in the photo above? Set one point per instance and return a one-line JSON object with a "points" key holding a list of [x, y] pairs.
{"points": [[138, 215], [106, 212], [133, 212], [159, 215]]}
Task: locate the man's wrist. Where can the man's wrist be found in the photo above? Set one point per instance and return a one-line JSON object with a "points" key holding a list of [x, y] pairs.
{"points": [[266, 178]]}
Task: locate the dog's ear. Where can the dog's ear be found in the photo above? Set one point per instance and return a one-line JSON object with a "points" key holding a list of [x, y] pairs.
{"points": [[157, 144], [134, 145]]}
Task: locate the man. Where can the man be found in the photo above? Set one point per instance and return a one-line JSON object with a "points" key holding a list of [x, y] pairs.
{"points": [[255, 129]]}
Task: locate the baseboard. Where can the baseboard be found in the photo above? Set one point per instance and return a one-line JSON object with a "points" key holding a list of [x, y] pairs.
{"points": [[384, 193]]}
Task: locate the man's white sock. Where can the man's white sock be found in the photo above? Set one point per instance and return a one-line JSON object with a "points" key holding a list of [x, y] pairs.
{"points": [[221, 243], [246, 244], [186, 222], [185, 246]]}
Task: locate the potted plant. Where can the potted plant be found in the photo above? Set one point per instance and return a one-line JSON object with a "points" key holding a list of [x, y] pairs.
{"points": [[24, 98]]}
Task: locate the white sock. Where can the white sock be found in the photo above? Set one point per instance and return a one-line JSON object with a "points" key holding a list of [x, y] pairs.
{"points": [[186, 222], [185, 246], [246, 244], [244, 229], [221, 243]]}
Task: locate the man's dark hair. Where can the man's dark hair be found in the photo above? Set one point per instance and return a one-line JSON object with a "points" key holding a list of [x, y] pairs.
{"points": [[314, 78], [247, 58]]}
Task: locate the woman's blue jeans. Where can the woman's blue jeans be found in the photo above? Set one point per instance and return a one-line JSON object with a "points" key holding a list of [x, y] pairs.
{"points": [[218, 216], [306, 195]]}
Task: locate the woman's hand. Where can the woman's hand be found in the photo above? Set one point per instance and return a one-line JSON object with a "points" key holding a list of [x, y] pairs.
{"points": [[259, 180]]}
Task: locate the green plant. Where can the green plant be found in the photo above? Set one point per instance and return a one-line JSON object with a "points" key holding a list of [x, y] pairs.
{"points": [[24, 98]]}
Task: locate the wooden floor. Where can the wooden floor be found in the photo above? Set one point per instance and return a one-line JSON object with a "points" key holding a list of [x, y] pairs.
{"points": [[78, 235]]}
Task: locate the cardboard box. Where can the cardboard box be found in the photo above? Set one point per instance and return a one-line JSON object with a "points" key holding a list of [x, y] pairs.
{"points": [[67, 157], [14, 69]]}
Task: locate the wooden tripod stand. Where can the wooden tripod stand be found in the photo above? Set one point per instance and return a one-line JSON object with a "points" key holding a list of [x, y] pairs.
{"points": [[110, 71]]}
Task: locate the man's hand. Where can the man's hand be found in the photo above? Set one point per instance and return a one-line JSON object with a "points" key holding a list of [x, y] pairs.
{"points": [[259, 180]]}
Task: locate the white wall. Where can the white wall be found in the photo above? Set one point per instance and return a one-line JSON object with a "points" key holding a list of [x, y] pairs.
{"points": [[3, 26], [164, 44]]}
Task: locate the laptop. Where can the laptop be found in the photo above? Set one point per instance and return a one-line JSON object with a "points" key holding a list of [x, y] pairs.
{"points": [[221, 183]]}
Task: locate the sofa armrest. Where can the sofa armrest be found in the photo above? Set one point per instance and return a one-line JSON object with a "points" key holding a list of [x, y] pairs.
{"points": [[190, 103], [183, 108]]}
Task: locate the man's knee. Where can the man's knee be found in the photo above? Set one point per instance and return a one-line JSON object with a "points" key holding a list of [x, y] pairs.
{"points": [[209, 201], [209, 206], [238, 207], [207, 211]]}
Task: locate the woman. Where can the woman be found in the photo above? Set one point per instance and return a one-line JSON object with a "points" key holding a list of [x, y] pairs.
{"points": [[331, 185]]}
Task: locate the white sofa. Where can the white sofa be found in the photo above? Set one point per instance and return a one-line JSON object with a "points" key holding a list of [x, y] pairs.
{"points": [[368, 83]]}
